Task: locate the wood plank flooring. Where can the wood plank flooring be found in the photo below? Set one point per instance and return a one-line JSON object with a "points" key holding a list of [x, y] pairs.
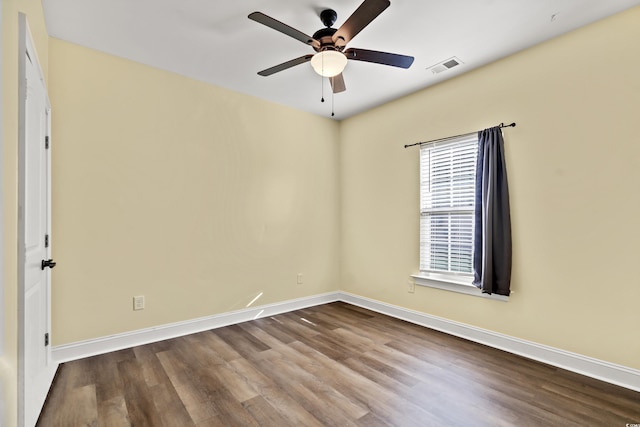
{"points": [[330, 365]]}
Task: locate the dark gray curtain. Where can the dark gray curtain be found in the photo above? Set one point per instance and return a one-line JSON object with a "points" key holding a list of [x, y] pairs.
{"points": [[492, 238]]}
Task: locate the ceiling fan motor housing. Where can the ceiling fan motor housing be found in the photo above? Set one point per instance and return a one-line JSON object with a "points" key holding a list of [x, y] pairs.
{"points": [[325, 37]]}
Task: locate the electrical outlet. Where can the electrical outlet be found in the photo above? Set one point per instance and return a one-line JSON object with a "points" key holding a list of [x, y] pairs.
{"points": [[300, 279], [412, 286], [138, 302]]}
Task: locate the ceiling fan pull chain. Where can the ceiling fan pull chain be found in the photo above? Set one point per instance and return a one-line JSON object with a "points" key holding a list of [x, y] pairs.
{"points": [[332, 98], [322, 79]]}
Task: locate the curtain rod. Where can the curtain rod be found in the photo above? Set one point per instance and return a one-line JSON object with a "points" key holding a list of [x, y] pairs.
{"points": [[501, 125]]}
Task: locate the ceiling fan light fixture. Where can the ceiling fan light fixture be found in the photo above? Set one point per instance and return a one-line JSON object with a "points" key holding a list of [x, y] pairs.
{"points": [[329, 63]]}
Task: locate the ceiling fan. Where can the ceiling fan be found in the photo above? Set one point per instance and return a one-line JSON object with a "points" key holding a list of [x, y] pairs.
{"points": [[329, 43]]}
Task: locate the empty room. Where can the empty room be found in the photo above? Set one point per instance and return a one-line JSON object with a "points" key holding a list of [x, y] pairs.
{"points": [[338, 213]]}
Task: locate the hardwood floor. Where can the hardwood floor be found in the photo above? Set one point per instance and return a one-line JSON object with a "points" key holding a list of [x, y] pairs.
{"points": [[330, 365]]}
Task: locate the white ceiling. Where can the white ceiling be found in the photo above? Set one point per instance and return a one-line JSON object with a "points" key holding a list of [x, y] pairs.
{"points": [[214, 41]]}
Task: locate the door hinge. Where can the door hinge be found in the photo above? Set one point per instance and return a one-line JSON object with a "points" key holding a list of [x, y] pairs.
{"points": [[46, 240], [46, 339], [46, 142]]}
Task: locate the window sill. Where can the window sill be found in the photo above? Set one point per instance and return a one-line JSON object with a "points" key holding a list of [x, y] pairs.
{"points": [[452, 283]]}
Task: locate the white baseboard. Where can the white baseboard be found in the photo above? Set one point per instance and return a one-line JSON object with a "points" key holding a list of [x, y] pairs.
{"points": [[92, 347], [588, 366], [599, 369]]}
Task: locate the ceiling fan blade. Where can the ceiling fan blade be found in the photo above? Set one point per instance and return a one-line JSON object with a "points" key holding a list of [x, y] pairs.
{"points": [[285, 65], [337, 83], [283, 28], [367, 12], [384, 58]]}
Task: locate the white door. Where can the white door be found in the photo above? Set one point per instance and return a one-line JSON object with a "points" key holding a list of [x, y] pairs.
{"points": [[36, 367]]}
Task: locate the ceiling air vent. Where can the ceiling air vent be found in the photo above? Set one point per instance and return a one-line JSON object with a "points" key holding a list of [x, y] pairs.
{"points": [[445, 65]]}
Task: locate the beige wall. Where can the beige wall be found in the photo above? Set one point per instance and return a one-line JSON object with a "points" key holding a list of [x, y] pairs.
{"points": [[197, 197], [9, 177], [574, 169]]}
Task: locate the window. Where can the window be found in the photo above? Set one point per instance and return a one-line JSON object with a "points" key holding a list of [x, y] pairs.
{"points": [[447, 195]]}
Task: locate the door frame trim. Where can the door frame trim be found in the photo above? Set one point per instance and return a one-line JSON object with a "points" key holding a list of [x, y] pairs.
{"points": [[2, 281], [24, 37]]}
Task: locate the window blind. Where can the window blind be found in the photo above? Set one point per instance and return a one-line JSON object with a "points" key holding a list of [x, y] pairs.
{"points": [[447, 195]]}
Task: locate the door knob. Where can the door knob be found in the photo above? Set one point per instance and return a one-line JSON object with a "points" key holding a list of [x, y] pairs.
{"points": [[48, 263]]}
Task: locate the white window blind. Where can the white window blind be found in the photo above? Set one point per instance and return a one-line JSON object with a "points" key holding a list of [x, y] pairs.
{"points": [[447, 195]]}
